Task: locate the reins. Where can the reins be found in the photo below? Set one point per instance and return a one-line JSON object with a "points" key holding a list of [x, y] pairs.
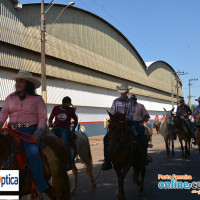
{"points": [[16, 133]]}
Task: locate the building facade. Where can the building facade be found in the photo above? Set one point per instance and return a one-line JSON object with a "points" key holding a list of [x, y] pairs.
{"points": [[86, 58]]}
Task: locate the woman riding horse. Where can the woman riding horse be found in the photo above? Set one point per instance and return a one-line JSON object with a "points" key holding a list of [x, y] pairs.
{"points": [[27, 113]]}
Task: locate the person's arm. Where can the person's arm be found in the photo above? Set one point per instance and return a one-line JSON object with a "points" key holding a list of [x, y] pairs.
{"points": [[189, 112], [4, 112], [52, 115], [74, 117], [42, 119], [145, 114], [112, 109]]}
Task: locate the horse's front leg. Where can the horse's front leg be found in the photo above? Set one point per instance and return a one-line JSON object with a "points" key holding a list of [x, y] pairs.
{"points": [[167, 146], [186, 149], [172, 147], [75, 172], [180, 140], [121, 173]]}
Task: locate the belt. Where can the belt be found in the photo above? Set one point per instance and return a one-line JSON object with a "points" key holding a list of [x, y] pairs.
{"points": [[15, 126]]}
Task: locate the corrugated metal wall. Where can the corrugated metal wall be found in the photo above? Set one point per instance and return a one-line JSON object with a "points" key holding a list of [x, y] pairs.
{"points": [[90, 66]]}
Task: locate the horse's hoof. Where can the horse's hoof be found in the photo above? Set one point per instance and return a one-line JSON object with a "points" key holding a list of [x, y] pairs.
{"points": [[72, 191], [94, 185]]}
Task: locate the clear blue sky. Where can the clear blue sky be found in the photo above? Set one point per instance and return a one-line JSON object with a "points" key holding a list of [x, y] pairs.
{"points": [[167, 30]]}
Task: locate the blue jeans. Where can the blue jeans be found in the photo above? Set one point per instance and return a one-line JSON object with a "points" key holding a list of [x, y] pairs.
{"points": [[64, 133], [106, 143], [32, 153]]}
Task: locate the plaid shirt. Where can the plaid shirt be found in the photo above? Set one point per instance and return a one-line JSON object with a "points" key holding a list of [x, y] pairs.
{"points": [[120, 105]]}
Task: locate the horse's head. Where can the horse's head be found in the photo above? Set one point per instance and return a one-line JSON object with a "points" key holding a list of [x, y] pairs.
{"points": [[117, 125], [169, 116], [197, 118]]}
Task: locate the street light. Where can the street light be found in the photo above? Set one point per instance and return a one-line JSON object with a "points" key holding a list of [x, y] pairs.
{"points": [[43, 67]]}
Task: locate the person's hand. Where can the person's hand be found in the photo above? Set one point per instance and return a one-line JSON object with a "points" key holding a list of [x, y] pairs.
{"points": [[37, 134], [182, 117]]}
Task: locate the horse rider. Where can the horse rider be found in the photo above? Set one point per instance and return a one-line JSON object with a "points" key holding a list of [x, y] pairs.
{"points": [[140, 115], [197, 108], [184, 112], [27, 113], [121, 105], [63, 114], [163, 117]]}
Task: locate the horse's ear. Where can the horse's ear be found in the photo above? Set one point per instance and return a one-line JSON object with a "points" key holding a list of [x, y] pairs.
{"points": [[165, 110], [172, 109], [109, 114]]}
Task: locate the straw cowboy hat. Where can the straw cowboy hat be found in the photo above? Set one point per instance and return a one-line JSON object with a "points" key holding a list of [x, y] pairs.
{"points": [[123, 88], [25, 75]]}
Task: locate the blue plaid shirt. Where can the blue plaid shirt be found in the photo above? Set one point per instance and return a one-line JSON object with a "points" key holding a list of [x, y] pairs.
{"points": [[196, 109], [120, 105]]}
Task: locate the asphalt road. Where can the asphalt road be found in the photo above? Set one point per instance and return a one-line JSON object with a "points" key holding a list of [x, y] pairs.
{"points": [[107, 181]]}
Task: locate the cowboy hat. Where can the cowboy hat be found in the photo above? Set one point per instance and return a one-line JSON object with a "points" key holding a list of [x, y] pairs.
{"points": [[197, 99], [123, 88], [25, 75]]}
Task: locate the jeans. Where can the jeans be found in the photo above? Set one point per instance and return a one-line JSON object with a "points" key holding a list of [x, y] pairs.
{"points": [[32, 153], [64, 133], [106, 143]]}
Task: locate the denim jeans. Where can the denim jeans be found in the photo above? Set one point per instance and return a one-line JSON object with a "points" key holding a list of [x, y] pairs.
{"points": [[106, 143], [64, 133], [32, 153]]}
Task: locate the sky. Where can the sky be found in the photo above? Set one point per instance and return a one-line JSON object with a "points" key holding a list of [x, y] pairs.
{"points": [[167, 30]]}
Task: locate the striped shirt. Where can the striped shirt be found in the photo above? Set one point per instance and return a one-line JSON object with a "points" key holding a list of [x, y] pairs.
{"points": [[120, 105]]}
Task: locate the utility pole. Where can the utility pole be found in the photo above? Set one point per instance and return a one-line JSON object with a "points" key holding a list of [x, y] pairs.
{"points": [[178, 81], [43, 67], [172, 90], [189, 97]]}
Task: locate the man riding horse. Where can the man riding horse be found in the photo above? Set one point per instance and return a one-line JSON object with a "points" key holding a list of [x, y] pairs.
{"points": [[184, 112], [63, 115], [122, 105], [27, 113]]}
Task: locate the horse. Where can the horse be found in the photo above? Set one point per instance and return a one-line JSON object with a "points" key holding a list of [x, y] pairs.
{"points": [[157, 126], [148, 134], [124, 152], [197, 128], [52, 160], [183, 131], [80, 146], [166, 130]]}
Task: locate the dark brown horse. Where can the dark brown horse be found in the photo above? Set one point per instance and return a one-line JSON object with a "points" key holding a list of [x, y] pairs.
{"points": [[183, 131], [157, 126], [54, 162], [197, 128], [124, 152]]}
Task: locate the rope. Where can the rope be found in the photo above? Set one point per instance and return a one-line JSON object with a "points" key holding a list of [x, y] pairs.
{"points": [[15, 133]]}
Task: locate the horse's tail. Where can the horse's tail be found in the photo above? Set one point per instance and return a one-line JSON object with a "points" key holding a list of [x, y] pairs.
{"points": [[86, 144], [57, 156]]}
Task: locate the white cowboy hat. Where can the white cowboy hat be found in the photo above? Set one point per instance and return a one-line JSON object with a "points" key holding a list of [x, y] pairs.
{"points": [[197, 99], [23, 74], [123, 88]]}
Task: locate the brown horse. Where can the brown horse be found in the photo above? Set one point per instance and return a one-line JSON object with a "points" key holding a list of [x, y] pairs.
{"points": [[183, 131], [148, 134], [54, 161], [124, 152], [197, 128], [157, 126]]}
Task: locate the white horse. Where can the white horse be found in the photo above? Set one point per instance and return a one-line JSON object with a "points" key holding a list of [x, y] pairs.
{"points": [[166, 130], [84, 152]]}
